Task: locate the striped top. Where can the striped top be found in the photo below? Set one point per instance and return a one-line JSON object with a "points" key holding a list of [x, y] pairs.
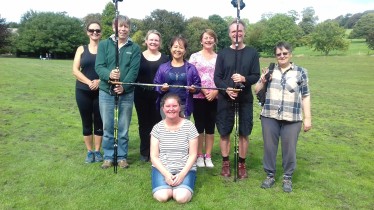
{"points": [[174, 145], [285, 93]]}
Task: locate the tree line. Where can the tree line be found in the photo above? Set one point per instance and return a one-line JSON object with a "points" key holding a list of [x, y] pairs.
{"points": [[58, 34]]}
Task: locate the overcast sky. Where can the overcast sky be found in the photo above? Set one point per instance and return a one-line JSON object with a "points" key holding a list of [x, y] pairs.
{"points": [[12, 10]]}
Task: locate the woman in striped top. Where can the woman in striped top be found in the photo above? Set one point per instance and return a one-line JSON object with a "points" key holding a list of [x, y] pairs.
{"points": [[173, 153]]}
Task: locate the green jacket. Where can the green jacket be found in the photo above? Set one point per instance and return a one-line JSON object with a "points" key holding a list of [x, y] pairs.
{"points": [[129, 61]]}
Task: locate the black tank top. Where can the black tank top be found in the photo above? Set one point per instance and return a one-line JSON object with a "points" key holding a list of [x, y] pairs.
{"points": [[87, 68]]}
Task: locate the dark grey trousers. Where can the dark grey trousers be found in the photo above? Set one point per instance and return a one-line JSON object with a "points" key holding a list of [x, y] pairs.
{"points": [[288, 132]]}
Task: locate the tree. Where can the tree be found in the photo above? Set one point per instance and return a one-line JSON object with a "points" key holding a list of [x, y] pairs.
{"points": [[109, 13], [48, 32], [220, 26], [342, 20], [138, 37], [4, 33], [370, 41], [294, 14], [195, 26], [280, 27], [254, 34], [363, 27], [308, 20], [353, 19], [169, 24], [328, 36], [92, 17]]}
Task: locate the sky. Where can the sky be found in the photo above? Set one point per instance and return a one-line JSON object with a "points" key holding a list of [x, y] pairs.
{"points": [[13, 10]]}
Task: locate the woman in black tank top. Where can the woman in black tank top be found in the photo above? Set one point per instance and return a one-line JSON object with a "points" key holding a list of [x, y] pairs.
{"points": [[87, 93]]}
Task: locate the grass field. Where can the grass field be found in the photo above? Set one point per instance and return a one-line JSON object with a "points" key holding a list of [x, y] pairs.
{"points": [[42, 151]]}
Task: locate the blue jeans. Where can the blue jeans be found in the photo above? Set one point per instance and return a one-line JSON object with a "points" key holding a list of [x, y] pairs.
{"points": [[107, 105], [158, 181]]}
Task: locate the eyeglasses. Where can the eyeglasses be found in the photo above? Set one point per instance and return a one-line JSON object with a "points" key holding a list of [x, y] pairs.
{"points": [[94, 30], [283, 53]]}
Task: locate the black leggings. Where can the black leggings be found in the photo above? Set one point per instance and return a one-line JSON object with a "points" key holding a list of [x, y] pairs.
{"points": [[204, 114], [148, 116], [88, 105]]}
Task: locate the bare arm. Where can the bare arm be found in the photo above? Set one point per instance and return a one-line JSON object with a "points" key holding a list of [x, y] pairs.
{"points": [[192, 155], [76, 67], [260, 84], [156, 162], [92, 84], [307, 113]]}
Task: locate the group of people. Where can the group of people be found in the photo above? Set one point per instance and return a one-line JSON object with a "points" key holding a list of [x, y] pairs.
{"points": [[216, 89]]}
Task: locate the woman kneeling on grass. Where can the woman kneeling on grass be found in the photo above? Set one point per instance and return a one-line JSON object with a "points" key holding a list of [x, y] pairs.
{"points": [[173, 154]]}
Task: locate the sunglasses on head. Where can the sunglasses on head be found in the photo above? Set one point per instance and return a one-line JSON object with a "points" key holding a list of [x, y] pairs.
{"points": [[283, 53], [94, 30]]}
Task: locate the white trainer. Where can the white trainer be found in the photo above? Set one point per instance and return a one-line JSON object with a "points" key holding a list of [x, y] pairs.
{"points": [[209, 163], [200, 162]]}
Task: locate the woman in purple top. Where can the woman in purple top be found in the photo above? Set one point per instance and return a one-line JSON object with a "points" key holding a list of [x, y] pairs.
{"points": [[178, 72], [205, 103]]}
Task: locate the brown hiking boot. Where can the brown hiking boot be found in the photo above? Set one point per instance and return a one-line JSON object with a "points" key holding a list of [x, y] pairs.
{"points": [[107, 164], [242, 171], [226, 169], [123, 164]]}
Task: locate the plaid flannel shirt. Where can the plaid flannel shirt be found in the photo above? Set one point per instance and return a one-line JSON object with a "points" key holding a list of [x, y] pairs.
{"points": [[285, 92]]}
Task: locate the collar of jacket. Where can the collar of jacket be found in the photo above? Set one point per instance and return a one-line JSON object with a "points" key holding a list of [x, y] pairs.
{"points": [[113, 38]]}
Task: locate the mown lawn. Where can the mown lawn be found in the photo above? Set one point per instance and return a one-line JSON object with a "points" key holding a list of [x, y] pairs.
{"points": [[42, 151]]}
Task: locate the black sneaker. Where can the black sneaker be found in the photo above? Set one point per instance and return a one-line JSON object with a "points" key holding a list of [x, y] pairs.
{"points": [[287, 185], [144, 158], [268, 182]]}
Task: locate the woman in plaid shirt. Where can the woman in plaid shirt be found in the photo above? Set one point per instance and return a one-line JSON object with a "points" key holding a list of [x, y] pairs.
{"points": [[287, 97]]}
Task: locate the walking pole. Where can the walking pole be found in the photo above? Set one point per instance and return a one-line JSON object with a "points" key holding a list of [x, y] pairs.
{"points": [[116, 96], [172, 86], [239, 4]]}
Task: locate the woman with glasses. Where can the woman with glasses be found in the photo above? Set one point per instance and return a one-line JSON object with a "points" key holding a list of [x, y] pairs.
{"points": [[286, 108], [87, 93]]}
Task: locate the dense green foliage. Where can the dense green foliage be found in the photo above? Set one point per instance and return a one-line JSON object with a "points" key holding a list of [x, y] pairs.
{"points": [[169, 24], [308, 21], [328, 36], [364, 27], [108, 15], [370, 40], [280, 27], [4, 33], [42, 150], [220, 26], [48, 32], [37, 34]]}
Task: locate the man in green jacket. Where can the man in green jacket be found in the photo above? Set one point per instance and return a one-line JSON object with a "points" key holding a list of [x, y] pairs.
{"points": [[127, 72]]}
